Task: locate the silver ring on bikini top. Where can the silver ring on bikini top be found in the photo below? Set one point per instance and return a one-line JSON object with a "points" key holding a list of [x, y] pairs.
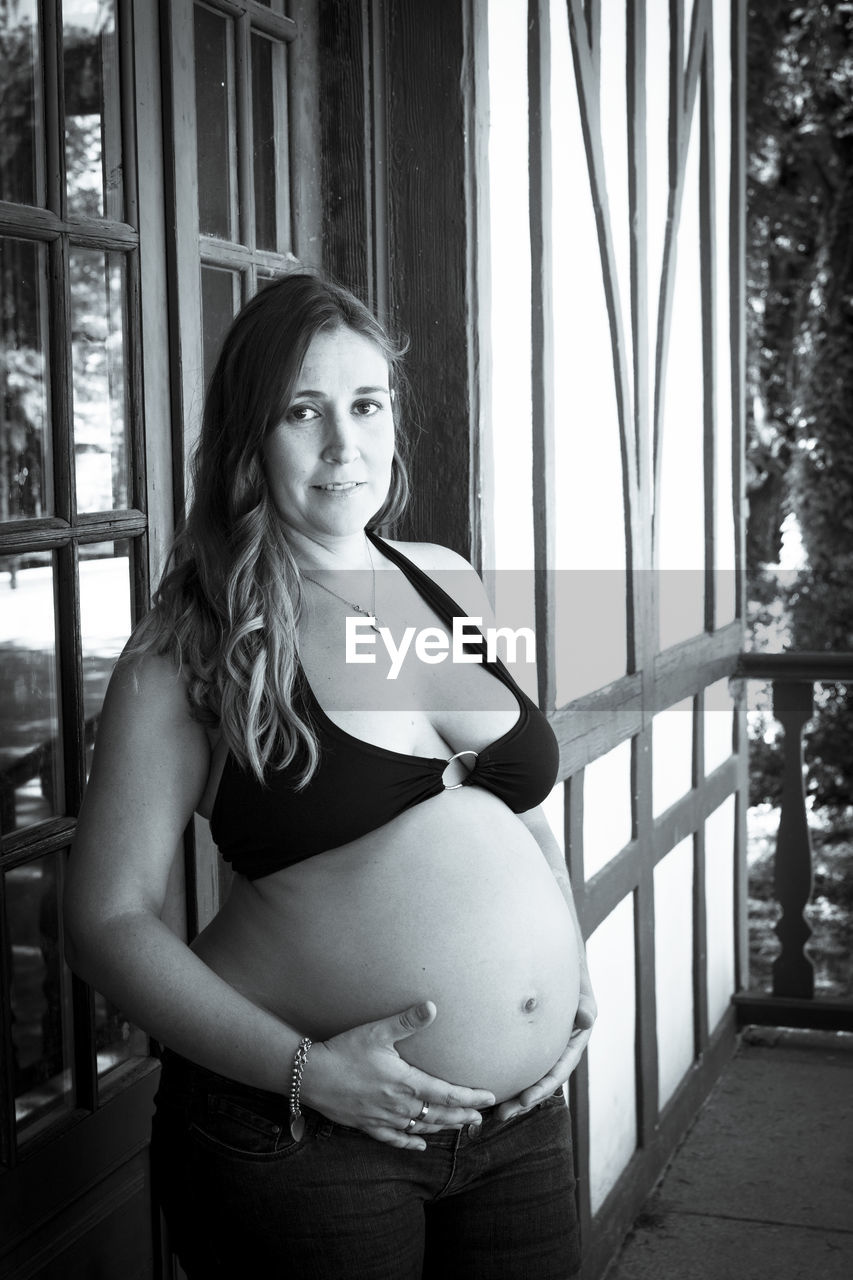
{"points": [[456, 785]]}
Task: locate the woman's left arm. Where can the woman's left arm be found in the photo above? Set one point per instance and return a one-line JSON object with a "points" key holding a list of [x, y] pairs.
{"points": [[537, 825]]}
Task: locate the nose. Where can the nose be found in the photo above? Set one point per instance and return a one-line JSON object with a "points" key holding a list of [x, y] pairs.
{"points": [[341, 443]]}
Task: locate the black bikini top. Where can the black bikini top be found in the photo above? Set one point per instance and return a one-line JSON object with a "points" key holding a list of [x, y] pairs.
{"points": [[359, 787]]}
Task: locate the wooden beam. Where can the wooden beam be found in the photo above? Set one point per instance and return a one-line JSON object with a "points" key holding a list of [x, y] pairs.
{"points": [[544, 482]]}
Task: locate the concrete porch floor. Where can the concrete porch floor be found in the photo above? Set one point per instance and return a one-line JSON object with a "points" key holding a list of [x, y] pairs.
{"points": [[762, 1186]]}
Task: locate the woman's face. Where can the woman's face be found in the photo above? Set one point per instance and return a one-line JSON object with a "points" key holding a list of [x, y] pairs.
{"points": [[328, 462]]}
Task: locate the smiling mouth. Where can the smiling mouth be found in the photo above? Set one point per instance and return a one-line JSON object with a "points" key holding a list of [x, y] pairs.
{"points": [[341, 487]]}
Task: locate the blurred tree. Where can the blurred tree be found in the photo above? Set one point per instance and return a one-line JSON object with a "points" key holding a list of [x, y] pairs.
{"points": [[800, 344]]}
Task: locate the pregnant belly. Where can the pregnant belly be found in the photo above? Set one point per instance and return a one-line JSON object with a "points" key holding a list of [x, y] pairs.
{"points": [[452, 902]]}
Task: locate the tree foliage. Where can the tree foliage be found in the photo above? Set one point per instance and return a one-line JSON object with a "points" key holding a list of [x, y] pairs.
{"points": [[800, 342]]}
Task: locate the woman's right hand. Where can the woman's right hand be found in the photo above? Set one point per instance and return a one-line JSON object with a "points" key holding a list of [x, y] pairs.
{"points": [[359, 1079]]}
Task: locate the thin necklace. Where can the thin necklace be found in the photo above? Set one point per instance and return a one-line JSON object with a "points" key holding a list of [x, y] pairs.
{"points": [[365, 613]]}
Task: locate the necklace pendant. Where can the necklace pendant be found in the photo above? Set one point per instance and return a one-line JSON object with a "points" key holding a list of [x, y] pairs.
{"points": [[375, 623]]}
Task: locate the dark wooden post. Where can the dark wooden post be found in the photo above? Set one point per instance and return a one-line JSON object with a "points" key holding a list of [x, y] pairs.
{"points": [[430, 64], [793, 974]]}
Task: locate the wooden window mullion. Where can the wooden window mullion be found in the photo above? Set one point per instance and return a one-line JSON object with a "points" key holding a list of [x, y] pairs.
{"points": [[140, 585], [134, 402], [282, 150], [700, 913], [22, 846], [644, 859], [72, 733], [7, 1085], [245, 225], [708, 274], [304, 75], [542, 345], [54, 110], [114, 159], [233, 116], [60, 381], [127, 96], [70, 666], [219, 253]]}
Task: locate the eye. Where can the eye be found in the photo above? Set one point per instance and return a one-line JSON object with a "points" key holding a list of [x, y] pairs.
{"points": [[367, 408], [299, 413]]}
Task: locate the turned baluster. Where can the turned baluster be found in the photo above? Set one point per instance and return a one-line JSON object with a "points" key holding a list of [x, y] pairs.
{"points": [[793, 974]]}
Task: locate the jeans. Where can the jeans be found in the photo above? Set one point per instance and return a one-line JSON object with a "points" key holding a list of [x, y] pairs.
{"points": [[242, 1199]]}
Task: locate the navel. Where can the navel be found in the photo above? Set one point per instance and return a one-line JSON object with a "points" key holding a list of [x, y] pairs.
{"points": [[530, 1005]]}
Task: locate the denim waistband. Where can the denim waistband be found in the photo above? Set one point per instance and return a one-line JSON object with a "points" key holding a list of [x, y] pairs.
{"points": [[180, 1075]]}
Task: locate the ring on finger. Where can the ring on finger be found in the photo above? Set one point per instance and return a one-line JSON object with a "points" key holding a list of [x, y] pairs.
{"points": [[424, 1112], [410, 1126]]}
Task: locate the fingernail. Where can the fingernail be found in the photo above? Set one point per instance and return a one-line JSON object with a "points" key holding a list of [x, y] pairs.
{"points": [[422, 1011]]}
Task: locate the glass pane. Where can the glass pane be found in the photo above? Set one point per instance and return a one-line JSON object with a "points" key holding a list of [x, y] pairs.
{"points": [[30, 760], [615, 115], [510, 311], [98, 364], [263, 137], [20, 106], [220, 298], [216, 140], [607, 809], [720, 909], [718, 725], [105, 597], [40, 993], [673, 881], [589, 526], [611, 953], [672, 755], [26, 486], [92, 121]]}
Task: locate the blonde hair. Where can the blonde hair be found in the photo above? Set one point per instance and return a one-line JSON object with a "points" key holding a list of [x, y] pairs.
{"points": [[227, 607]]}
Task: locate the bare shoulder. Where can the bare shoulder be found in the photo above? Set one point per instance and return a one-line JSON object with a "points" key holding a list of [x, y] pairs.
{"points": [[452, 572], [150, 689], [147, 724], [432, 555]]}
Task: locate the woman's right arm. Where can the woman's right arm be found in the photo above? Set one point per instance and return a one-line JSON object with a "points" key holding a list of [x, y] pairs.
{"points": [[149, 770]]}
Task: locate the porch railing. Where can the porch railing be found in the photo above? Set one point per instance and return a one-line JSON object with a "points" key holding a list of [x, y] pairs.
{"points": [[793, 1002]]}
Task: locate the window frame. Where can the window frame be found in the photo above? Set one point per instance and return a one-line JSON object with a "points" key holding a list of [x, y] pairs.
{"points": [[66, 531]]}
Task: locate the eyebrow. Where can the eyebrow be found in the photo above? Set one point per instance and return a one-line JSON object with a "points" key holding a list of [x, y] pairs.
{"points": [[359, 391]]}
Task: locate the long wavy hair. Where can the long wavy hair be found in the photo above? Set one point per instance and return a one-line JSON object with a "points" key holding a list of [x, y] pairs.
{"points": [[227, 607]]}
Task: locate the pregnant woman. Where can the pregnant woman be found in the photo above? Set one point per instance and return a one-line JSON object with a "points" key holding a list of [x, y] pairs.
{"points": [[366, 1048]]}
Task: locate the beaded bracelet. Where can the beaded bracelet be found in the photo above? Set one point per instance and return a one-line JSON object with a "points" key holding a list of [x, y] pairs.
{"points": [[297, 1119]]}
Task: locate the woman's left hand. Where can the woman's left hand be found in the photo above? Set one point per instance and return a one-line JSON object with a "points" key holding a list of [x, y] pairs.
{"points": [[529, 1098]]}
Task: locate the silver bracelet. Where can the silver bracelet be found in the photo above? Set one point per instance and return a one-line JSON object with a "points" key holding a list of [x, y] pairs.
{"points": [[297, 1119]]}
